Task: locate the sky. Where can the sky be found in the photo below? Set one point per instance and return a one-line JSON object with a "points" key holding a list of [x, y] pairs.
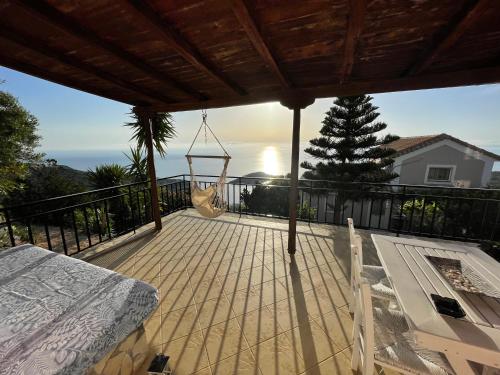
{"points": [[74, 120]]}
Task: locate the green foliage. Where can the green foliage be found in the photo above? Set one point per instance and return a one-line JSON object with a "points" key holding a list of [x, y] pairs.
{"points": [[107, 175], [348, 148], [273, 200], [138, 167], [19, 140], [43, 181], [162, 128], [430, 215], [305, 212]]}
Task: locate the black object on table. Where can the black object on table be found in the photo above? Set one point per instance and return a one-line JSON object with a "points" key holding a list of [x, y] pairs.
{"points": [[448, 306]]}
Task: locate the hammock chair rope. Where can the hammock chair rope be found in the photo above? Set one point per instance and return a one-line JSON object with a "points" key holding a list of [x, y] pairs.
{"points": [[210, 202]]}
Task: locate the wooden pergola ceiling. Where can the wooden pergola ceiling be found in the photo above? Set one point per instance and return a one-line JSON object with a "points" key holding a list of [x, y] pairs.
{"points": [[172, 56]]}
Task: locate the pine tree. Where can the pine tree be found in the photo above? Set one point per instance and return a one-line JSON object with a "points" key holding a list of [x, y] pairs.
{"points": [[348, 148]]}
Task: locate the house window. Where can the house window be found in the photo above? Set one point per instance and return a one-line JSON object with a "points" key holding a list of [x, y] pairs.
{"points": [[440, 173]]}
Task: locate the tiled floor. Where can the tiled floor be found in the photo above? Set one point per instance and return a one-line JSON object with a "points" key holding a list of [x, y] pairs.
{"points": [[233, 302]]}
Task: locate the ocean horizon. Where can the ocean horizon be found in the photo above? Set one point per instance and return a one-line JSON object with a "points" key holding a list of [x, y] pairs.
{"points": [[270, 158]]}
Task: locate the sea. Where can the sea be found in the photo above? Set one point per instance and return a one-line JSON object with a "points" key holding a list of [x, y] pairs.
{"points": [[246, 158]]}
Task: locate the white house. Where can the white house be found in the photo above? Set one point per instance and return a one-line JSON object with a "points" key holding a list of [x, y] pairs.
{"points": [[441, 160]]}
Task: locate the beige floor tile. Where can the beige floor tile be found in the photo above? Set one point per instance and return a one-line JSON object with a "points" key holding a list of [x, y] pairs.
{"points": [[260, 274], [242, 363], [213, 312], [245, 300], [278, 356], [152, 326], [199, 261], [146, 271], [235, 282], [289, 313], [226, 286], [259, 325], [224, 340], [322, 300], [207, 290], [179, 323], [334, 270], [174, 280], [187, 354], [338, 364], [338, 326], [177, 265], [171, 300], [273, 291], [317, 277], [205, 273], [312, 343], [295, 281], [203, 371]]}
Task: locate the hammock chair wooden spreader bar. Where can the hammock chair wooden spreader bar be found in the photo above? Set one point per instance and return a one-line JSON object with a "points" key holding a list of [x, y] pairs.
{"points": [[210, 202]]}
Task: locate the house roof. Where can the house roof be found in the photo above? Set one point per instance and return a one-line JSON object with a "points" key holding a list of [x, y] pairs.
{"points": [[406, 145], [193, 54]]}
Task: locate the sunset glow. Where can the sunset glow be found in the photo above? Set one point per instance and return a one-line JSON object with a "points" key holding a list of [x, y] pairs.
{"points": [[270, 160]]}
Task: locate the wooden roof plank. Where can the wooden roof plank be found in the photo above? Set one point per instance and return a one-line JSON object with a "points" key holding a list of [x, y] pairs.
{"points": [[354, 30], [176, 41], [41, 47], [453, 32], [427, 81], [60, 79], [71, 26], [248, 23]]}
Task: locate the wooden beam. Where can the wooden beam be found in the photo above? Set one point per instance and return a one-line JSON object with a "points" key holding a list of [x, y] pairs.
{"points": [[144, 118], [452, 33], [41, 9], [248, 23], [181, 46], [469, 77], [61, 79], [43, 48], [357, 12], [293, 197]]}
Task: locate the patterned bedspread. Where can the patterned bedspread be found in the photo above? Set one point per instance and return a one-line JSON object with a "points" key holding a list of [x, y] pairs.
{"points": [[60, 315]]}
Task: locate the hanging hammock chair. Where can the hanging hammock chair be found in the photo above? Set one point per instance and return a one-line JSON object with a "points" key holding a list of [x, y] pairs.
{"points": [[210, 202]]}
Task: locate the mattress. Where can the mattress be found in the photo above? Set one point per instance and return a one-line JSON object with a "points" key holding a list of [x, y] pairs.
{"points": [[60, 315]]}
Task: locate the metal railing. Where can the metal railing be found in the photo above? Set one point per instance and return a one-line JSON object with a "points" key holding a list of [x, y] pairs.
{"points": [[76, 222], [73, 223]]}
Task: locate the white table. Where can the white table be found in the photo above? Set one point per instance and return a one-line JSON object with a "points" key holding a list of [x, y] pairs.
{"points": [[476, 337]]}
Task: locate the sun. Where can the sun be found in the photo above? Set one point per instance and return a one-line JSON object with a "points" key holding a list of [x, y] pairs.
{"points": [[270, 160]]}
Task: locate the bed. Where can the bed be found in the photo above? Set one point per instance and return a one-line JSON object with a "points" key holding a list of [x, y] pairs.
{"points": [[60, 315]]}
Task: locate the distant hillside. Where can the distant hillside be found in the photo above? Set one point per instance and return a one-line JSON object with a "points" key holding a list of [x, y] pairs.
{"points": [[254, 177], [495, 180], [75, 175]]}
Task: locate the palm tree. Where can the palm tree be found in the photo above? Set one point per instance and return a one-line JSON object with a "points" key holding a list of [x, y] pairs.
{"points": [[107, 175], [114, 208], [138, 167], [162, 128]]}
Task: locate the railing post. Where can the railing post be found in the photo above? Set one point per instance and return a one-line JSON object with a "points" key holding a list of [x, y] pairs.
{"points": [[239, 190], [9, 228], [401, 211]]}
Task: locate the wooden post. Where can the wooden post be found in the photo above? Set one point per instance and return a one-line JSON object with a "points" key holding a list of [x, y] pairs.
{"points": [[294, 182], [145, 121], [296, 103]]}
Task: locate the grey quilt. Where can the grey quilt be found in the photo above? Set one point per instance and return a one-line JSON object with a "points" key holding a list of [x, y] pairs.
{"points": [[60, 315]]}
